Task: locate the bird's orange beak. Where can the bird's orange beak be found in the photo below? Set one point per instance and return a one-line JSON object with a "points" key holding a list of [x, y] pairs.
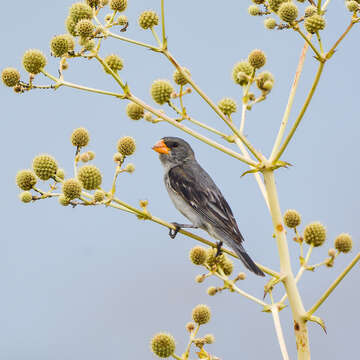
{"points": [[161, 148]]}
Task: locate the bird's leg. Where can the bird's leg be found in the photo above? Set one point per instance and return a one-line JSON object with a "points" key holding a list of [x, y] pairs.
{"points": [[218, 248], [173, 232]]}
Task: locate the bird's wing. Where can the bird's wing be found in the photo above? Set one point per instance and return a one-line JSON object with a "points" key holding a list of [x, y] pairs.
{"points": [[197, 188]]}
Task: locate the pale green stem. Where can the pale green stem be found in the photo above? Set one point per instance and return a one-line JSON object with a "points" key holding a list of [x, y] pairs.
{"points": [[319, 6], [333, 285], [301, 271], [163, 22], [290, 102], [320, 43], [176, 357], [327, 2], [213, 106], [279, 332], [302, 112], [243, 116], [192, 337], [115, 36], [297, 29], [110, 71], [297, 307], [156, 37], [190, 131]]}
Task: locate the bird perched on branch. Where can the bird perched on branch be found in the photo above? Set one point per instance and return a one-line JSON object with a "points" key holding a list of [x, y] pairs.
{"points": [[196, 196]]}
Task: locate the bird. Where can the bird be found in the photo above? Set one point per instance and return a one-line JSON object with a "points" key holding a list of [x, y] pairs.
{"points": [[197, 197]]}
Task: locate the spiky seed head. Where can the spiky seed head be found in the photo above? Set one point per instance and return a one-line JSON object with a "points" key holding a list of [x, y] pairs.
{"points": [[91, 155], [104, 2], [99, 195], [59, 45], [352, 5], [244, 67], [25, 196], [254, 10], [70, 25], [310, 10], [314, 23], [148, 19], [201, 314], [130, 168], [10, 76], [84, 157], [71, 41], [190, 326], [227, 266], [332, 252], [33, 61], [25, 179], [63, 200], [44, 166], [80, 137], [212, 290], [122, 20], [180, 78], [85, 28], [161, 91], [90, 177], [80, 11], [292, 218], [93, 3], [72, 188], [134, 111], [198, 255], [209, 338], [118, 157], [343, 243], [270, 23], [126, 146], [163, 345], [87, 44], [315, 234], [118, 5], [275, 4], [60, 173], [227, 106], [114, 62], [212, 259], [257, 59], [288, 12]]}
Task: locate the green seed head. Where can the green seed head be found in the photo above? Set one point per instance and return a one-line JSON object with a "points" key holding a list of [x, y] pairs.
{"points": [[25, 196], [63, 200], [80, 11], [99, 195], [72, 189], [310, 10], [59, 45], [201, 314], [209, 339], [314, 23], [270, 23], [227, 266], [93, 3], [292, 218], [10, 76], [71, 41], [118, 5], [80, 137], [126, 145], [90, 177], [254, 10], [198, 255], [288, 12], [275, 4], [122, 20], [352, 5], [85, 28], [163, 345], [70, 25], [241, 67], [315, 234], [114, 62], [45, 166], [179, 78], [134, 111], [60, 173], [130, 168], [148, 19], [34, 61], [25, 179], [227, 106], [212, 290], [257, 59], [161, 91], [343, 243]]}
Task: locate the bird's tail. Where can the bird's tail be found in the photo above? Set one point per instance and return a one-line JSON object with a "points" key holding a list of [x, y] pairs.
{"points": [[246, 259]]}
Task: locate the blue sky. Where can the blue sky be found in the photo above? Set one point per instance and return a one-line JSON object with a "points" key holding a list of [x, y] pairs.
{"points": [[93, 283]]}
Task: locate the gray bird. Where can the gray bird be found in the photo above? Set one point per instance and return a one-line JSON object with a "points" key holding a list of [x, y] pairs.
{"points": [[196, 196]]}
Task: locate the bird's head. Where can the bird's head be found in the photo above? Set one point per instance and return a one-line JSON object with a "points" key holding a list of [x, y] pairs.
{"points": [[173, 151]]}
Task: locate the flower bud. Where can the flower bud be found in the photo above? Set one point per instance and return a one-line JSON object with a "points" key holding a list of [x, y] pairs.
{"points": [[130, 168], [209, 338], [10, 76], [212, 290], [270, 23], [163, 345], [180, 78], [85, 28], [114, 62], [126, 145], [34, 61], [118, 5], [72, 189], [90, 177], [288, 12], [80, 137], [315, 234], [25, 179], [314, 23], [257, 59], [25, 196], [254, 10], [148, 19], [161, 91], [63, 200], [44, 166], [134, 111], [99, 195], [201, 314], [292, 218], [343, 243], [227, 106]]}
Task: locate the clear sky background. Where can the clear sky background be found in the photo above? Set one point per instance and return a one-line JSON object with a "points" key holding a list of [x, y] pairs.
{"points": [[96, 283]]}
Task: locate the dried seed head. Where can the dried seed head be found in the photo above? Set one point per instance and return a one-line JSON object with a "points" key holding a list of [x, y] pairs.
{"points": [[201, 314], [34, 61], [134, 111], [80, 137], [161, 91], [163, 345], [292, 218], [257, 59], [126, 145], [114, 62], [118, 5], [45, 166], [343, 243], [315, 234], [148, 19], [227, 106], [90, 177], [72, 188], [180, 78], [314, 23], [25, 179], [25, 197], [270, 23], [10, 76], [198, 255]]}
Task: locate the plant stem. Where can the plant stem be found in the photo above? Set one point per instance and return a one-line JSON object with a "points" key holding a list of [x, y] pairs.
{"points": [[176, 357], [163, 22], [156, 37], [297, 29], [297, 307], [115, 36], [279, 332], [110, 71], [243, 116], [302, 112], [333, 285]]}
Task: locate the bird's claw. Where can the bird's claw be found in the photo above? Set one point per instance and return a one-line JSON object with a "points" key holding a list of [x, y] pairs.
{"points": [[173, 232], [218, 249]]}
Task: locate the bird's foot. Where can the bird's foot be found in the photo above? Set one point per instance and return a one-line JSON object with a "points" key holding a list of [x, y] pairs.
{"points": [[173, 232], [218, 248]]}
